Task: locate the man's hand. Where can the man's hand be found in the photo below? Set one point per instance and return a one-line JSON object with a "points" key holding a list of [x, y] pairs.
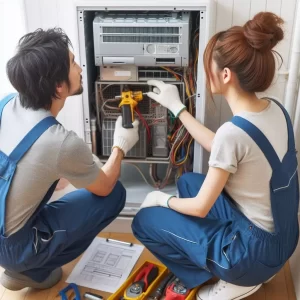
{"points": [[167, 95], [156, 198], [125, 139]]}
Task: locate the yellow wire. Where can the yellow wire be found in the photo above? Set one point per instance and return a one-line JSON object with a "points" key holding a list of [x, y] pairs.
{"points": [[186, 156], [172, 72], [190, 90], [176, 149]]}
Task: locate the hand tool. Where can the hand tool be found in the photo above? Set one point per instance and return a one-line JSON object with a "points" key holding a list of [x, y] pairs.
{"points": [[141, 282], [71, 286], [177, 291], [157, 294], [129, 100], [92, 296]]}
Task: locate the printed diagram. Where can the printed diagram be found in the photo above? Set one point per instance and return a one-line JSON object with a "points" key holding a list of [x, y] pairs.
{"points": [[105, 266]]}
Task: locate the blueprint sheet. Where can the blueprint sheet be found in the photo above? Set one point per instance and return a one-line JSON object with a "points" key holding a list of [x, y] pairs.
{"points": [[105, 265]]}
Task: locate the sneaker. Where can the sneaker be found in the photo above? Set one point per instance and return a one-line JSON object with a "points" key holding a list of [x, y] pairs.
{"points": [[14, 281], [223, 290]]}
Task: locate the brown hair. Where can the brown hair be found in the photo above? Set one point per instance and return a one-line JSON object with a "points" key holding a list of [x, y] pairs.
{"points": [[247, 51]]}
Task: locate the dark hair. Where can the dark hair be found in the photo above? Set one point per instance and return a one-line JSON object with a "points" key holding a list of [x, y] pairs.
{"points": [[247, 51], [40, 64]]}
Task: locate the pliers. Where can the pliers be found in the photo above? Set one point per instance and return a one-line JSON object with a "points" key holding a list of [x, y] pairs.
{"points": [[71, 286]]}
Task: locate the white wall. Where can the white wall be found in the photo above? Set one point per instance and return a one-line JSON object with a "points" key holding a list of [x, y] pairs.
{"points": [[237, 12], [54, 13], [12, 11]]}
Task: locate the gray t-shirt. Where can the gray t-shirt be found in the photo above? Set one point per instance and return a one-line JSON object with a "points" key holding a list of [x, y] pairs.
{"points": [[234, 151], [58, 153]]}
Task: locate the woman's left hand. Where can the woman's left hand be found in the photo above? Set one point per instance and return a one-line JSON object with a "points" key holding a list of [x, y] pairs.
{"points": [[156, 198]]}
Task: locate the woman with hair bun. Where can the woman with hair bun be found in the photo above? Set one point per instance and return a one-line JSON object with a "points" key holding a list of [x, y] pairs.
{"points": [[239, 222]]}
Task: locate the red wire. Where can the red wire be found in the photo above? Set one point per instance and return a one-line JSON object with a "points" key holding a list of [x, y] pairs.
{"points": [[174, 134], [145, 124]]}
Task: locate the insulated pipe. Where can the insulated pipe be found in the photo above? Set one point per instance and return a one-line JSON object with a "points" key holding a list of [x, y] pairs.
{"points": [[153, 175], [291, 88]]}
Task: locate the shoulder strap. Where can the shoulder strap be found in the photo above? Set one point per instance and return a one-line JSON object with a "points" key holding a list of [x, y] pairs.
{"points": [[31, 137], [3, 102], [291, 138], [260, 139]]}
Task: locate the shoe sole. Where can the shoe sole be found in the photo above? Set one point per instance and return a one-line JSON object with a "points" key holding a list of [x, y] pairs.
{"points": [[15, 284], [11, 284], [255, 289]]}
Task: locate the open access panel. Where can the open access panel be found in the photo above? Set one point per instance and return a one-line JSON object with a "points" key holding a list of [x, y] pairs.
{"points": [[120, 50]]}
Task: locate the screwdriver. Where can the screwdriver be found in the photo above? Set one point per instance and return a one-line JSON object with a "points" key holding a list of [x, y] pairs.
{"points": [[160, 289]]}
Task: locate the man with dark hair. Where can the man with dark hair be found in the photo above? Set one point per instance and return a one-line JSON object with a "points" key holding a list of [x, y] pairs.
{"points": [[38, 237]]}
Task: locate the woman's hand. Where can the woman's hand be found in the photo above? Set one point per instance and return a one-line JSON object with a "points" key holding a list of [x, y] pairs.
{"points": [[156, 198], [167, 95]]}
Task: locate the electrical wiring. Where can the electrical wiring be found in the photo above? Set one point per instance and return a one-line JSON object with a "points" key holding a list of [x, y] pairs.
{"points": [[183, 161], [182, 137], [104, 104], [156, 121], [191, 82], [195, 46], [173, 156], [144, 123], [98, 114], [187, 98], [153, 174], [179, 133], [180, 142], [140, 172], [187, 86], [175, 133], [101, 90], [156, 185], [176, 74], [107, 86], [167, 177]]}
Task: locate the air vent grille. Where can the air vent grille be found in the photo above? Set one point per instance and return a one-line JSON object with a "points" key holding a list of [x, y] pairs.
{"points": [[143, 30], [141, 39], [164, 35]]}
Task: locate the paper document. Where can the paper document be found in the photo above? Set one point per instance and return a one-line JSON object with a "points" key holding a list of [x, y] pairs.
{"points": [[105, 265]]}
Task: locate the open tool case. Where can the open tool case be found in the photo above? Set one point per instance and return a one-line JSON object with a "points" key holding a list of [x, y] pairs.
{"points": [[162, 273]]}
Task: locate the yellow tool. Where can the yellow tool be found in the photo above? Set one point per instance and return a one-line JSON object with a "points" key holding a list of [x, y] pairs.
{"points": [[129, 100]]}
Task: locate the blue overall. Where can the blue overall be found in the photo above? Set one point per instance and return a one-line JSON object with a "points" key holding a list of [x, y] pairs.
{"points": [[226, 244], [57, 232]]}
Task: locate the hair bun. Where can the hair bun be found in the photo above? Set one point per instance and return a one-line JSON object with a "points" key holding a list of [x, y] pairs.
{"points": [[264, 31]]}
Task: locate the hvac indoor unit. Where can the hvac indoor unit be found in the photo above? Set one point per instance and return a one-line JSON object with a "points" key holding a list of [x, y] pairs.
{"points": [[142, 39]]}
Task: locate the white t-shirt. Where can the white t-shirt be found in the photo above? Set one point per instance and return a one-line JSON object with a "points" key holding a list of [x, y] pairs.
{"points": [[234, 151]]}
